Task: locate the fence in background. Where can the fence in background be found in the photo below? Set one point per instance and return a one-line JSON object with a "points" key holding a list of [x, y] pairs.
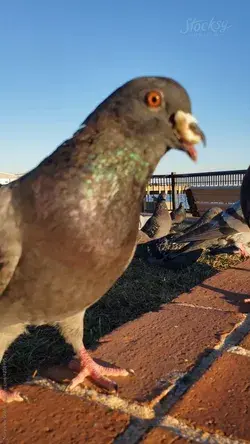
{"points": [[176, 184]]}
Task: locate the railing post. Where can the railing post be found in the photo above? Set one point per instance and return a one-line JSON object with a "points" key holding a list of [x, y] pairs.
{"points": [[143, 204], [173, 189]]}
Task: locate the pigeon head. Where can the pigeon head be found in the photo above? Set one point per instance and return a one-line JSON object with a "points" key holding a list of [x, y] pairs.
{"points": [[212, 212], [154, 110]]}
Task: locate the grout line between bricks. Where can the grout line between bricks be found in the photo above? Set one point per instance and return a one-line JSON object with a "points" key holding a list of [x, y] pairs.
{"points": [[145, 416], [239, 351], [180, 428], [142, 412], [186, 304], [186, 381], [134, 432]]}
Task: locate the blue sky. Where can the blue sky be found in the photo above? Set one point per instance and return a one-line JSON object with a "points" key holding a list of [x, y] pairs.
{"points": [[60, 58]]}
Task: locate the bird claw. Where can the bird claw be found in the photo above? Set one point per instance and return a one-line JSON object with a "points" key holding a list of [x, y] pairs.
{"points": [[243, 252], [8, 397], [89, 368], [97, 378]]}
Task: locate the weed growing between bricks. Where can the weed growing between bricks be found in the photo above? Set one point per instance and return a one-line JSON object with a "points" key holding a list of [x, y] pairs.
{"points": [[141, 289]]}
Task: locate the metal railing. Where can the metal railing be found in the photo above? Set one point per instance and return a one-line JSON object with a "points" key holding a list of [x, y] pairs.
{"points": [[176, 184]]}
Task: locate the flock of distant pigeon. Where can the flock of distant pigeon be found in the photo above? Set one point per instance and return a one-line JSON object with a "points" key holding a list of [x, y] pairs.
{"points": [[69, 227], [216, 231]]}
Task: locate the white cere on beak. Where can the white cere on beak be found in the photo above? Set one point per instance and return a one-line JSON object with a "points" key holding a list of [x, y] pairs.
{"points": [[182, 126]]}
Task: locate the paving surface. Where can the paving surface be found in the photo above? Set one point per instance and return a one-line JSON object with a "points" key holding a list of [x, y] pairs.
{"points": [[58, 418], [218, 403], [192, 378], [160, 435]]}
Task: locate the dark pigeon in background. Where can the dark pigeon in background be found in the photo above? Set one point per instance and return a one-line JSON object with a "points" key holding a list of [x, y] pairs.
{"points": [[178, 215], [178, 261], [205, 234], [142, 238], [156, 227], [162, 248], [159, 224], [162, 196], [187, 225], [245, 196], [229, 226], [68, 228], [204, 219]]}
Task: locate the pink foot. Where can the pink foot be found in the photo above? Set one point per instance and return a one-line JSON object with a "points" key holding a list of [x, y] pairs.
{"points": [[8, 397], [88, 367], [242, 251]]}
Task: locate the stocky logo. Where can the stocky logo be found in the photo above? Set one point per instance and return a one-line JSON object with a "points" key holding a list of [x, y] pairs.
{"points": [[216, 27]]}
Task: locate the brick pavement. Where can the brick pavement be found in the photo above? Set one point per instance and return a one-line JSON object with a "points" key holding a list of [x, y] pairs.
{"points": [[192, 378]]}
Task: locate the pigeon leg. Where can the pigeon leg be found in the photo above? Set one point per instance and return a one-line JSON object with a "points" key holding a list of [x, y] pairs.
{"points": [[8, 397], [8, 335], [72, 330], [88, 367], [242, 251]]}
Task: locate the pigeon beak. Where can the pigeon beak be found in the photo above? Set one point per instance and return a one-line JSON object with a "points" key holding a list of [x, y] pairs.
{"points": [[188, 132], [198, 132]]}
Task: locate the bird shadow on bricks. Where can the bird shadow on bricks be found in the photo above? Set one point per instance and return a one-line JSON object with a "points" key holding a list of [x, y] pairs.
{"points": [[141, 289], [236, 299]]}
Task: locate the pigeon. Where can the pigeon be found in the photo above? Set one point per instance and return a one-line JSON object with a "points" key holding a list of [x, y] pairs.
{"points": [[229, 226], [170, 254], [245, 201], [204, 219], [159, 249], [143, 220], [162, 196], [245, 196], [186, 226], [179, 261], [179, 214], [159, 224], [75, 216], [156, 227], [142, 238], [227, 249], [238, 243]]}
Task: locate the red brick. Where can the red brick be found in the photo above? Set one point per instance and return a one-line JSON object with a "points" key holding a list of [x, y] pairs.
{"points": [[160, 435], [57, 418], [220, 401], [225, 291], [161, 344], [246, 342]]}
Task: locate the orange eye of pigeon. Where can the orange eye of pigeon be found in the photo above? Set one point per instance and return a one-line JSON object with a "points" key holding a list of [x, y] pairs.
{"points": [[153, 99]]}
